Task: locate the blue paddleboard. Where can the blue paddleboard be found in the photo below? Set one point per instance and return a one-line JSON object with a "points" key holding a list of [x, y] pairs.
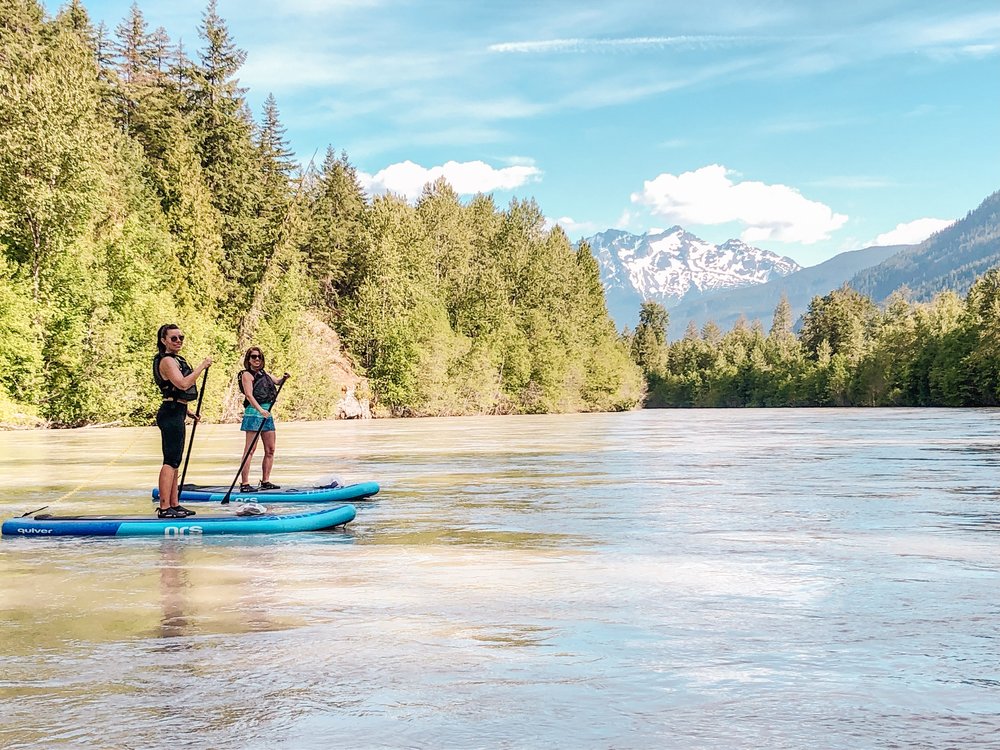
{"points": [[45, 525], [193, 493]]}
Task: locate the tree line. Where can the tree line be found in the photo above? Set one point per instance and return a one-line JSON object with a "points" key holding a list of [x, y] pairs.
{"points": [[848, 352], [136, 188]]}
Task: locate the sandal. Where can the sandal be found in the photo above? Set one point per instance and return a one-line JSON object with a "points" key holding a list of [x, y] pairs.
{"points": [[269, 486], [246, 488]]}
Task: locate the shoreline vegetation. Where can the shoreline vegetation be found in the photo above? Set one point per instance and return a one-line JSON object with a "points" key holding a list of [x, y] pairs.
{"points": [[848, 352], [136, 189]]}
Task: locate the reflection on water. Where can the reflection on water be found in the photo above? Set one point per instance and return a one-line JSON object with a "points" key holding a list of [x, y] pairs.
{"points": [[175, 620], [667, 579]]}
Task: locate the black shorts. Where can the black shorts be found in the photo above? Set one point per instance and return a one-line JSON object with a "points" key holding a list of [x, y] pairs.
{"points": [[170, 420]]}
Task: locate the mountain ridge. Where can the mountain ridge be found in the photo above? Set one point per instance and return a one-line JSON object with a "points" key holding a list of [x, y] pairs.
{"points": [[674, 264], [949, 259], [758, 302]]}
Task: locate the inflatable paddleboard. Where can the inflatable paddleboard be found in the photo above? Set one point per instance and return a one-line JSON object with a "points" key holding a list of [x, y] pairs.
{"points": [[45, 525], [193, 493]]}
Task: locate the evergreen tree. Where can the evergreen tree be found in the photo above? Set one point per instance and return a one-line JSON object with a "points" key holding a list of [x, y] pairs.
{"points": [[277, 158], [335, 221], [649, 348], [134, 49], [223, 130], [781, 324], [843, 318]]}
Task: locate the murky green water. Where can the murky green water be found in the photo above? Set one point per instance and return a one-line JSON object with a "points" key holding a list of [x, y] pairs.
{"points": [[661, 579]]}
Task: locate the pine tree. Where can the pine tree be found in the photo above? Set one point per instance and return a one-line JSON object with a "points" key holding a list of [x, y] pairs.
{"points": [[781, 324], [223, 130], [332, 237], [277, 158], [649, 345], [134, 50]]}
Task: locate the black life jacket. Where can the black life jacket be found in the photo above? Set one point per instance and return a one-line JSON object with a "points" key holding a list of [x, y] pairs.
{"points": [[264, 389], [168, 389]]}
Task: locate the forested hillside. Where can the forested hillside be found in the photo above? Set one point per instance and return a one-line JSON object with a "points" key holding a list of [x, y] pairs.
{"points": [[849, 352], [757, 302], [951, 259], [136, 189]]}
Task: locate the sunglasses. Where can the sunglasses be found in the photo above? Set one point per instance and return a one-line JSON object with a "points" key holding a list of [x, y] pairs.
{"points": [[176, 338], [256, 356]]}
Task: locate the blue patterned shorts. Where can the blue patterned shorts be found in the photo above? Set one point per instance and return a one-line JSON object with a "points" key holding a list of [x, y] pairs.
{"points": [[252, 420]]}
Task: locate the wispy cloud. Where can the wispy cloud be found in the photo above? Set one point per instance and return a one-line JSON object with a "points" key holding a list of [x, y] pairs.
{"points": [[424, 86], [312, 67], [708, 196], [854, 182], [674, 143], [581, 46], [958, 30], [807, 124], [626, 220], [615, 91]]}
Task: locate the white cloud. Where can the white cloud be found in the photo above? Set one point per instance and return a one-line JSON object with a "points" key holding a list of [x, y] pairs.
{"points": [[913, 232], [707, 196], [467, 178], [701, 41], [571, 226], [626, 219]]}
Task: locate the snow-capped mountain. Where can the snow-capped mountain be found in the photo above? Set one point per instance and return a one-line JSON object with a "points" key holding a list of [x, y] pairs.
{"points": [[673, 265]]}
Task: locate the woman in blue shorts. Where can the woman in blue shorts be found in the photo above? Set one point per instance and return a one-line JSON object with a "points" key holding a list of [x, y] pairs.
{"points": [[259, 389]]}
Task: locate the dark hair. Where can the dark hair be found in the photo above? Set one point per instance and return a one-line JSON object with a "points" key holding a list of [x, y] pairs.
{"points": [[163, 332], [246, 357]]}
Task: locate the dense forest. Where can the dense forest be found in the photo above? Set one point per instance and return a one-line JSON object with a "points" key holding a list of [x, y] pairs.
{"points": [[136, 188], [848, 352]]}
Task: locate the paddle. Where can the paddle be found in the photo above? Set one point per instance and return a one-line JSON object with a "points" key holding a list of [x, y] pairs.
{"points": [[193, 428], [246, 456]]}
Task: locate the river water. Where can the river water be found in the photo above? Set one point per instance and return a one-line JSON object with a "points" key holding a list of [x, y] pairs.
{"points": [[656, 579]]}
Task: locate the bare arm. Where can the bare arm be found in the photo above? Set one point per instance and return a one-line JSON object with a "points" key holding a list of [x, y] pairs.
{"points": [[171, 371]]}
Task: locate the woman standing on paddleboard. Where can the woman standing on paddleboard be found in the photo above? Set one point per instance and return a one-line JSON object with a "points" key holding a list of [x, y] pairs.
{"points": [[259, 389], [176, 381]]}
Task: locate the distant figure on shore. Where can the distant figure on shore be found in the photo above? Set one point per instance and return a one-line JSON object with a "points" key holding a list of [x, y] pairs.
{"points": [[177, 383], [259, 390]]}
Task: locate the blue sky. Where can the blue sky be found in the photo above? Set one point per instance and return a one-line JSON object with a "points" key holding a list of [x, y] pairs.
{"points": [[805, 127]]}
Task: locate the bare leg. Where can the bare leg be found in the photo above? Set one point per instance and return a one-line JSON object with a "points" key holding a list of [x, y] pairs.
{"points": [[245, 474], [265, 469], [168, 486], [175, 495]]}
